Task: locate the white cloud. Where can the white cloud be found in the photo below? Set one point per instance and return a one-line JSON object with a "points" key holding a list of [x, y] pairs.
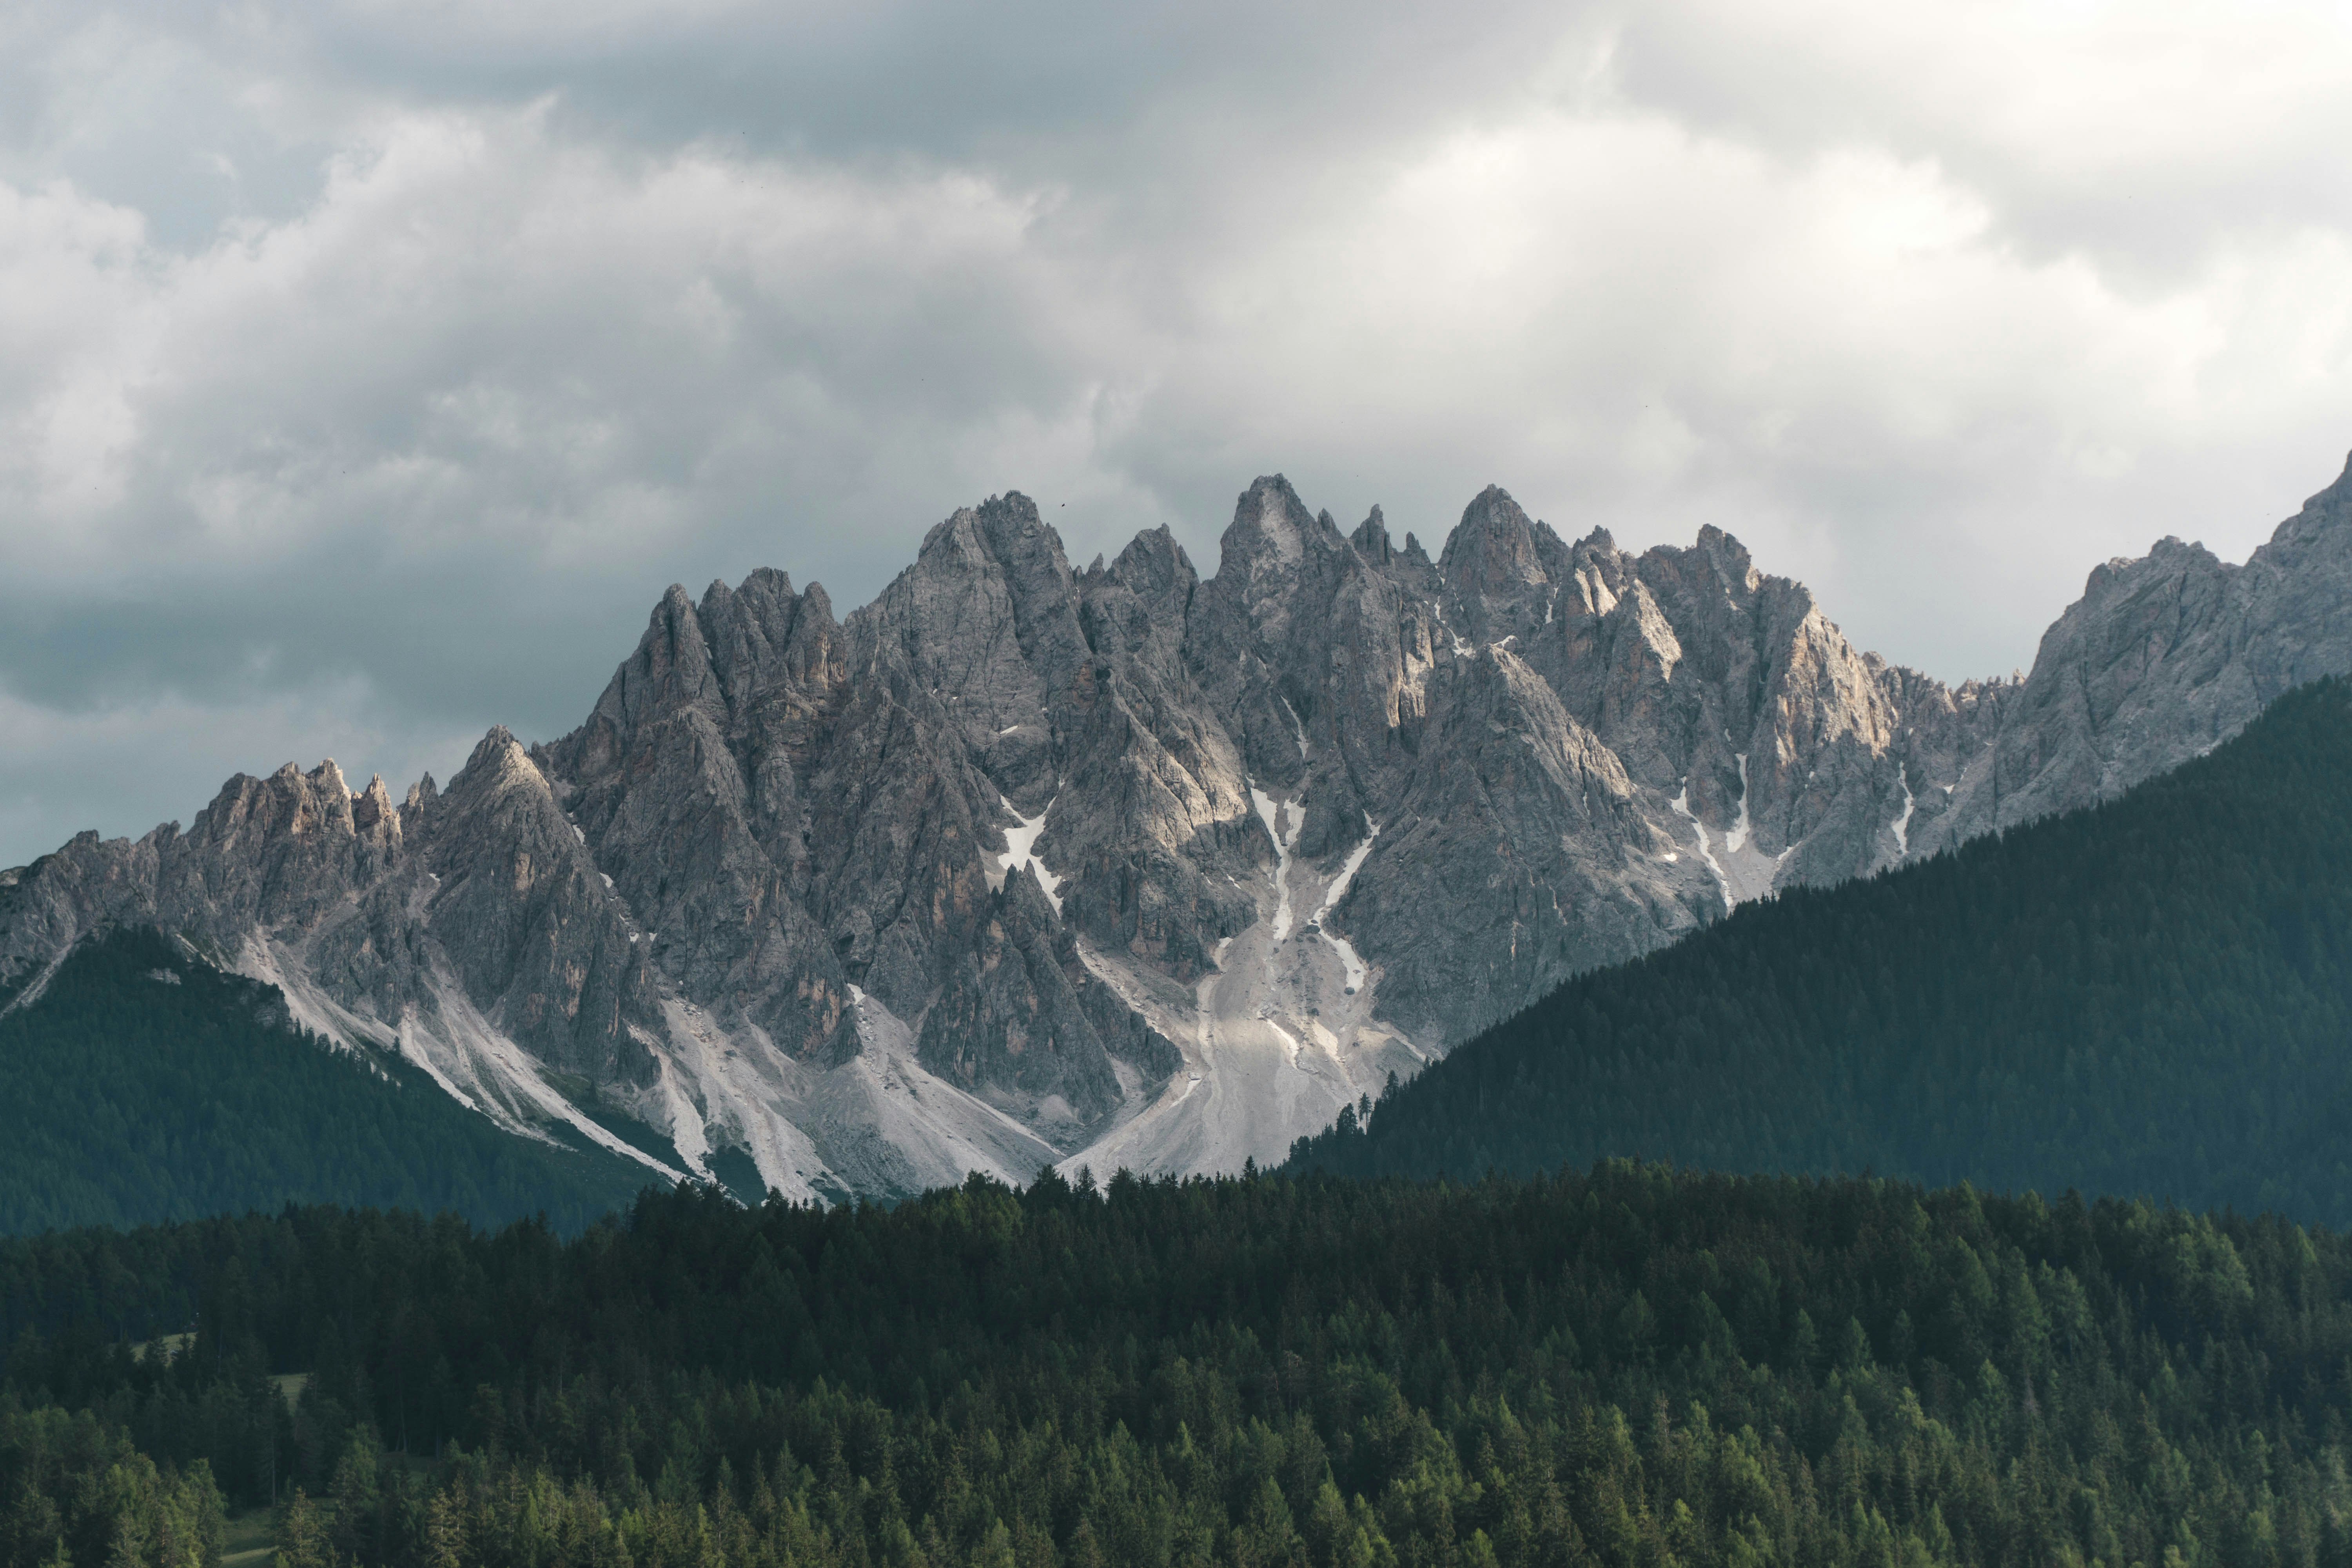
{"points": [[367, 371], [480, 334], [1840, 355]]}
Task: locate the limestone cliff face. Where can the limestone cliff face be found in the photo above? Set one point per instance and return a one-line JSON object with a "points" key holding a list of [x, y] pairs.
{"points": [[1021, 863], [2160, 659]]}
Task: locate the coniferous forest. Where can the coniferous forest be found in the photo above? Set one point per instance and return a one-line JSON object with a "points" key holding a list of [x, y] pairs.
{"points": [[1636, 1366], [2153, 997]]}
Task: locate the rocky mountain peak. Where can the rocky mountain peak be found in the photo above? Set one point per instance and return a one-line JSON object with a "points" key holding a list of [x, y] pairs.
{"points": [[985, 620], [1495, 549], [1155, 568], [498, 757], [1728, 560], [1134, 609], [1131, 867], [374, 817], [1269, 521], [1501, 569], [2169, 560], [670, 670]]}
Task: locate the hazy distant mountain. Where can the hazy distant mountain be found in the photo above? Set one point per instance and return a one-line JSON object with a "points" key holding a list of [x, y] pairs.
{"points": [[1124, 866]]}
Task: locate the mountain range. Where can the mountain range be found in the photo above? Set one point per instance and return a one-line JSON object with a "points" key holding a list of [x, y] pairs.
{"points": [[1022, 864]]}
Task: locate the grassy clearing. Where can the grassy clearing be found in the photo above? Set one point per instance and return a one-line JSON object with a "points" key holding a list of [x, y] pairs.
{"points": [[249, 1539]]}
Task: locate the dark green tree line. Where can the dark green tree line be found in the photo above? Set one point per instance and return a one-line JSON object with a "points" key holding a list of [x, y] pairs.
{"points": [[1635, 1365]]}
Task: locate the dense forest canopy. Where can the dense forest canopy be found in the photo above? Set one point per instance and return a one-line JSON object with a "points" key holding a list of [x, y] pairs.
{"points": [[2151, 996], [144, 1084], [1633, 1366]]}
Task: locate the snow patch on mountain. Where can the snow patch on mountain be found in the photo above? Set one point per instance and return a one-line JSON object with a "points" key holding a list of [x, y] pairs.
{"points": [[1902, 822], [1273, 814], [1356, 968], [1736, 838], [1681, 803], [1021, 851]]}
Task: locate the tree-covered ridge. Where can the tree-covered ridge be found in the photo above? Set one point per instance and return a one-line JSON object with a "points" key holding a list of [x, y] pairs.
{"points": [[2152, 996], [1639, 1366], [143, 1085]]}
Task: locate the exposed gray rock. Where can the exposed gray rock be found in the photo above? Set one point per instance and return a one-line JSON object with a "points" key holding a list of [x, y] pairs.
{"points": [[2161, 659], [1010, 1027], [533, 938], [1519, 824], [1126, 865]]}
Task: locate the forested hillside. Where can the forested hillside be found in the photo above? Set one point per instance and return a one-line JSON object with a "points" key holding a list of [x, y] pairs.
{"points": [[143, 1085], [1639, 1366], [2151, 996]]}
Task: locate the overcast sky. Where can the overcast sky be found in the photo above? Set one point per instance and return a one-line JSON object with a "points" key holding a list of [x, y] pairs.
{"points": [[366, 371]]}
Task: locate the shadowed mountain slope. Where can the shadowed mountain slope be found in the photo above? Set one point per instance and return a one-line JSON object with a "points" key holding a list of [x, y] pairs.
{"points": [[143, 1085], [2151, 996]]}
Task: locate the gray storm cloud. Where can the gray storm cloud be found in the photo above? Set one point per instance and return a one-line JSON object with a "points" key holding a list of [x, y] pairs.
{"points": [[367, 372]]}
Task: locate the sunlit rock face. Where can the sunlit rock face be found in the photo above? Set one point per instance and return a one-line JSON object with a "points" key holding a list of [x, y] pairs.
{"points": [[1021, 864]]}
